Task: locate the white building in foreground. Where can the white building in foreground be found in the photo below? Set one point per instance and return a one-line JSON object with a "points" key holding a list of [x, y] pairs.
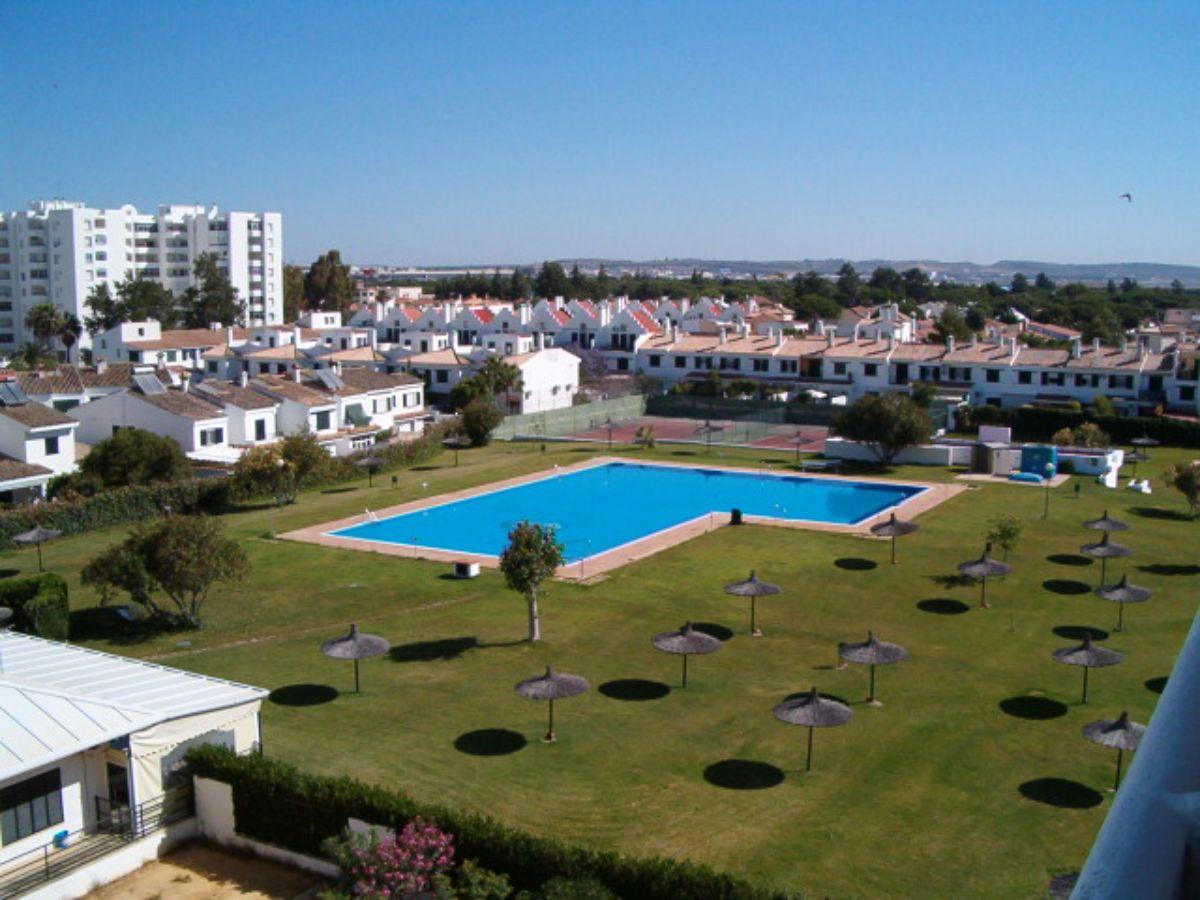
{"points": [[58, 251], [91, 750]]}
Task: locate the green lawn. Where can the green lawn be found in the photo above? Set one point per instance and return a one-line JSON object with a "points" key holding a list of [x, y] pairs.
{"points": [[921, 797]]}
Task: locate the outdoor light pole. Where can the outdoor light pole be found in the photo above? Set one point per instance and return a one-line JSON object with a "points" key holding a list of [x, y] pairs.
{"points": [[1049, 480]]}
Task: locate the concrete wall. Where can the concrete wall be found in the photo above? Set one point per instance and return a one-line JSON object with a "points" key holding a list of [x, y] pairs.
{"points": [[926, 455]]}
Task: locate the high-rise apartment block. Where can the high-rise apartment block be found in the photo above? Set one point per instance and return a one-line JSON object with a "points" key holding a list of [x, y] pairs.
{"points": [[58, 251]]}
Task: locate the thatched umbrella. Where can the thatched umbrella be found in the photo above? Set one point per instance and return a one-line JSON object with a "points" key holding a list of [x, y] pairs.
{"points": [[1088, 655], [872, 652], [37, 535], [551, 686], [894, 528], [1121, 733], [1105, 523], [752, 588], [1121, 593], [355, 646], [798, 441], [1104, 550], [456, 442], [1145, 441], [372, 464], [685, 642], [982, 569], [708, 429], [814, 711]]}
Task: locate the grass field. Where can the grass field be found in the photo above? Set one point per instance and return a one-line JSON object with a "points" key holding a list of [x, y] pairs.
{"points": [[941, 792]]}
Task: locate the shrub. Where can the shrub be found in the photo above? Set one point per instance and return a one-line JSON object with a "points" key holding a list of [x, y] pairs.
{"points": [[403, 865], [1031, 423], [479, 419], [887, 424], [263, 472], [1086, 435], [39, 605], [276, 803], [133, 456], [1185, 478], [574, 889]]}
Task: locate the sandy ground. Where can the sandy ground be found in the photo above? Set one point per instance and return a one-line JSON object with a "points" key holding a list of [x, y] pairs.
{"points": [[199, 872]]}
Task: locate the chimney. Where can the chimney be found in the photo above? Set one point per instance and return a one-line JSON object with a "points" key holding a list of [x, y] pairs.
{"points": [[829, 339], [1124, 344], [1095, 345], [524, 313], [295, 373], [855, 333], [1142, 347], [101, 366], [1076, 347], [1012, 347], [559, 302], [539, 341], [373, 339], [779, 338], [229, 336], [296, 335], [243, 379], [891, 342], [721, 335], [447, 311], [184, 384]]}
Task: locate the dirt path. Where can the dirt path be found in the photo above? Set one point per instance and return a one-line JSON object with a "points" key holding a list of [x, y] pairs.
{"points": [[200, 872]]}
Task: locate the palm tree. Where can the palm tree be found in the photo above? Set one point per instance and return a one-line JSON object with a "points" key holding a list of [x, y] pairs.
{"points": [[500, 376], [69, 332], [46, 321]]}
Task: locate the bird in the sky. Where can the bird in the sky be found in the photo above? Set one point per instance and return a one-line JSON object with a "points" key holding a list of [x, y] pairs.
{"points": [[1128, 197]]}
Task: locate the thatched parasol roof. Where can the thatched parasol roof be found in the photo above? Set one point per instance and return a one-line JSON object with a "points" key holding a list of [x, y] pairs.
{"points": [[355, 645], [872, 651], [456, 441], [552, 686], [985, 566], [687, 640], [369, 462], [1121, 733], [893, 527], [1088, 654], [1145, 441], [1105, 549], [1124, 592], [36, 535], [752, 587], [813, 710], [1104, 523]]}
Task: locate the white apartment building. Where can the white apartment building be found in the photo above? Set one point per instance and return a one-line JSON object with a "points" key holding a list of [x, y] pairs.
{"points": [[58, 251]]}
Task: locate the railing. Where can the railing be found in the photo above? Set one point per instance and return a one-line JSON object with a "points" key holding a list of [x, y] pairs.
{"points": [[116, 826]]}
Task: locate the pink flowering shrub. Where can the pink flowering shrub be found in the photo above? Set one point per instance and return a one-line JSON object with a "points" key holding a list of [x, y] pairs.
{"points": [[404, 865]]}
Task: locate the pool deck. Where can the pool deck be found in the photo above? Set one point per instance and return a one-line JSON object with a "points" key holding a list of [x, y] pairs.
{"points": [[592, 566]]}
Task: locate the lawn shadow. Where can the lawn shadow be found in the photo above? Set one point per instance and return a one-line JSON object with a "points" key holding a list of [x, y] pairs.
{"points": [[1066, 587], [490, 742], [9, 573], [1036, 708], [1170, 569], [1156, 685], [743, 775], [683, 452], [720, 632], [104, 623], [1060, 792], [956, 580], [433, 651], [636, 690], [855, 564], [426, 468], [303, 694], [1078, 632], [1062, 885], [339, 490], [1069, 559], [943, 606], [1157, 512]]}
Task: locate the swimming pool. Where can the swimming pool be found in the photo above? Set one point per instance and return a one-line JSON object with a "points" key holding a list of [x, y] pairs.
{"points": [[603, 507]]}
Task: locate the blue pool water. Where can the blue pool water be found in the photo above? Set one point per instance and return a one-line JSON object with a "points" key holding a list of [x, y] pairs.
{"points": [[603, 507]]}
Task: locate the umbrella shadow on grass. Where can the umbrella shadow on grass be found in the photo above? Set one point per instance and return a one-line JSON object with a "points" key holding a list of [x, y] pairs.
{"points": [[1034, 708], [1066, 587], [943, 606], [303, 694], [1079, 632], [442, 649], [1069, 559], [1156, 685], [490, 742], [1060, 792], [636, 690], [1157, 512], [743, 775], [1170, 569], [855, 564]]}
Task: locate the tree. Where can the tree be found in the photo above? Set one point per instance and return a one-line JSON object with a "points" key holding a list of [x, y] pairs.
{"points": [[308, 460], [106, 310], [519, 286], [327, 284], [1185, 478], [917, 285], [1020, 284], [886, 425], [215, 299], [923, 393], [1005, 533], [499, 376], [645, 437], [1043, 282], [578, 281], [532, 555], [143, 299], [848, 283], [479, 419], [45, 320], [133, 456], [70, 328], [951, 324], [263, 472], [552, 281], [885, 278], [1103, 406], [183, 556], [293, 292]]}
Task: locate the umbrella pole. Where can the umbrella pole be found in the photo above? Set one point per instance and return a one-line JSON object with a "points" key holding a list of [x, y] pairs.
{"points": [[808, 763], [754, 632], [685, 656], [1103, 569], [893, 549], [39, 549], [1117, 784], [1120, 615], [550, 725], [871, 693], [983, 604], [356, 676], [1085, 679]]}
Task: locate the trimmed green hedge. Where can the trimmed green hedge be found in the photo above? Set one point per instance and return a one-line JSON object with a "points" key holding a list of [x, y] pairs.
{"points": [[276, 803], [1031, 423], [39, 605], [118, 506]]}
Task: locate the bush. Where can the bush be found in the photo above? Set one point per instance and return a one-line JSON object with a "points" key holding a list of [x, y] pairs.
{"points": [[1031, 423], [275, 802], [133, 456], [1086, 435], [39, 605], [479, 419], [887, 424]]}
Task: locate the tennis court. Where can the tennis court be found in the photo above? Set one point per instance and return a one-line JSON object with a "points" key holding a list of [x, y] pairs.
{"points": [[738, 432]]}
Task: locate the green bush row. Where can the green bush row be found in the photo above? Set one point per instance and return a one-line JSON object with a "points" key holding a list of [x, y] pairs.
{"points": [[1030, 423], [276, 803], [39, 605], [118, 506]]}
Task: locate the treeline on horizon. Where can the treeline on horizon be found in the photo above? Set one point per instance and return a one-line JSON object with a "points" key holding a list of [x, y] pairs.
{"points": [[1098, 312]]}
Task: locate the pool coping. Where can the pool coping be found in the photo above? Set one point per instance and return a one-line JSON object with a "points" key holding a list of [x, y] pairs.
{"points": [[932, 494]]}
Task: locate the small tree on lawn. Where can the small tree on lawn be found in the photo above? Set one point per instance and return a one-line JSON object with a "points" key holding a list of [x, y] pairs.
{"points": [[886, 425], [646, 439], [308, 460], [479, 419], [263, 472], [134, 456], [532, 555], [1005, 533], [1185, 478]]}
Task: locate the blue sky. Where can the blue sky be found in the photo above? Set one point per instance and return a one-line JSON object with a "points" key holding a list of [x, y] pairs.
{"points": [[500, 132]]}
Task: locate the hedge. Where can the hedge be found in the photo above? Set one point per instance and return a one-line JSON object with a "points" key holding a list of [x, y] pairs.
{"points": [[39, 605], [117, 506], [1031, 423], [277, 803]]}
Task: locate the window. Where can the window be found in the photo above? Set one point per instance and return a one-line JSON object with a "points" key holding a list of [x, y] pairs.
{"points": [[260, 429], [871, 369], [211, 436], [655, 360], [51, 446], [681, 362], [762, 365], [993, 376], [30, 806], [839, 368], [789, 366], [1187, 392], [1024, 378], [442, 376], [322, 420]]}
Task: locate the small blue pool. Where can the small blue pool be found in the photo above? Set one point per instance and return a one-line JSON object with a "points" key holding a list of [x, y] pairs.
{"points": [[600, 508]]}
